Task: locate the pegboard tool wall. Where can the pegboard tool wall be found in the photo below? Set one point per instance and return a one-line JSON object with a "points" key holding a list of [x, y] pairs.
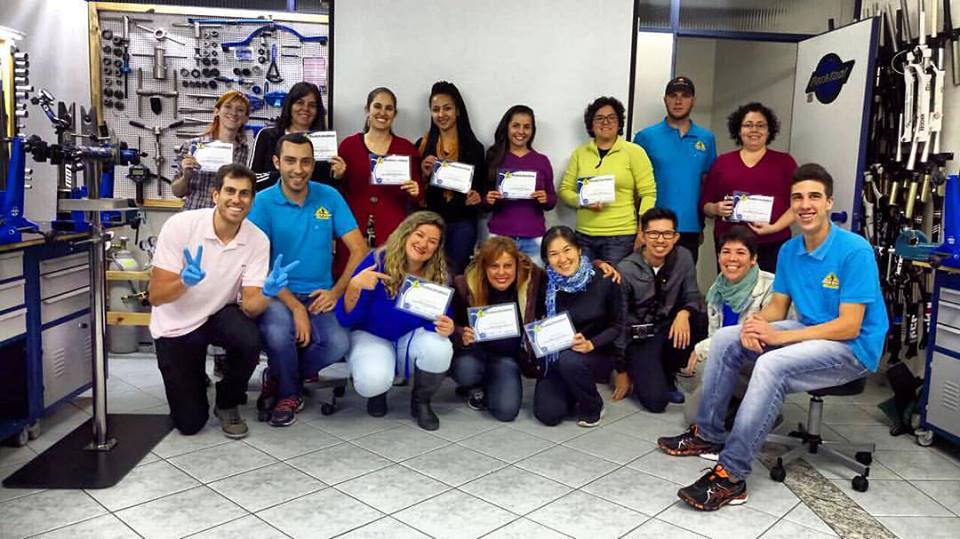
{"points": [[156, 32]]}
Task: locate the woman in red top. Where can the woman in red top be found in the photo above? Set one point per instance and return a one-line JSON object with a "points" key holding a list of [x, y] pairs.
{"points": [[753, 169], [378, 209]]}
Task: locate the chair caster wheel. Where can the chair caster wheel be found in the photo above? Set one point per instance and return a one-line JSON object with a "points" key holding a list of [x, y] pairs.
{"points": [[778, 473], [864, 457], [924, 437], [860, 483], [327, 408]]}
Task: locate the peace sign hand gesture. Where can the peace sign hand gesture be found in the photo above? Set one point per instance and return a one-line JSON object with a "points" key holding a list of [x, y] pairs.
{"points": [[277, 280], [192, 274]]}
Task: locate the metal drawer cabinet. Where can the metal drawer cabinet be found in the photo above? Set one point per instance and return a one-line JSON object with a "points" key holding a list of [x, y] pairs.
{"points": [[13, 324], [66, 358], [11, 265], [64, 305], [11, 294]]}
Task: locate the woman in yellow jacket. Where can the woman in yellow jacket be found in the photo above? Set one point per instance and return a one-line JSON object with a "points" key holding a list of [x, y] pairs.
{"points": [[607, 230]]}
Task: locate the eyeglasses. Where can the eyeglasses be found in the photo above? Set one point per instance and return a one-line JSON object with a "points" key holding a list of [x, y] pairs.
{"points": [[655, 234], [611, 119], [753, 126]]}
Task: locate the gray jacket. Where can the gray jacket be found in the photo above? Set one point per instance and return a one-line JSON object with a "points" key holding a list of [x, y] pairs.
{"points": [[656, 299]]}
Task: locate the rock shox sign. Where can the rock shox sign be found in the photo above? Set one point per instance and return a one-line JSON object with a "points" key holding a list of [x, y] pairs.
{"points": [[828, 79]]}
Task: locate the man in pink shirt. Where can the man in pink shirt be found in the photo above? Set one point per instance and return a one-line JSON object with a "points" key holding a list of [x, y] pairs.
{"points": [[206, 261]]}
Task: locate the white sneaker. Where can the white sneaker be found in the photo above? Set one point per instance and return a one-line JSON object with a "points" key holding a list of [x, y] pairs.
{"points": [[590, 423]]}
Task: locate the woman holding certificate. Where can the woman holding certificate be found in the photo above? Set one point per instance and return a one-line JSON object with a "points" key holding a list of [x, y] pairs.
{"points": [[453, 162], [302, 112], [397, 310], [605, 180], [223, 142], [382, 180], [752, 184], [519, 182], [579, 332]]}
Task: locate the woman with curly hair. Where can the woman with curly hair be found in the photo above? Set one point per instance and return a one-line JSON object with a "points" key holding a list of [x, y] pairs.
{"points": [[385, 340], [608, 230], [753, 169]]}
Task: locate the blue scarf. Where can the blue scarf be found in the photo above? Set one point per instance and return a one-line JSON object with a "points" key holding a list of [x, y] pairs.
{"points": [[736, 295], [575, 283]]}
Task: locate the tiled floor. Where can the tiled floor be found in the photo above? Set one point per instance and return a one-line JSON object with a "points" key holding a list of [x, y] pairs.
{"points": [[355, 476]]}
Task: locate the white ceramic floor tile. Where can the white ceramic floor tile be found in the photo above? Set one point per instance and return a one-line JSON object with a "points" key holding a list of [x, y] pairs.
{"points": [[737, 522], [322, 514], [557, 434], [791, 530], [889, 498], [769, 496], [918, 464], [142, 484], [648, 427], [832, 469], [609, 443], [181, 514], [248, 526], [516, 490], [392, 489], [803, 515], [524, 529], [347, 424], [923, 527], [634, 489], [507, 444], [459, 422], [680, 470], [46, 511], [583, 515], [658, 529], [400, 443], [947, 493], [288, 442], [839, 412], [222, 461], [454, 464], [16, 456], [568, 466], [385, 528], [339, 463], [265, 487], [102, 527], [11, 493], [454, 515], [879, 435], [177, 444]]}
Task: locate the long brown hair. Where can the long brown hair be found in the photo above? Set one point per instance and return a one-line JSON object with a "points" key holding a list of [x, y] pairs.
{"points": [[488, 253], [394, 252], [213, 129]]}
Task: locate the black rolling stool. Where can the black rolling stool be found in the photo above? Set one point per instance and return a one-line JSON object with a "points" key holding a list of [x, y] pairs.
{"points": [[807, 439]]}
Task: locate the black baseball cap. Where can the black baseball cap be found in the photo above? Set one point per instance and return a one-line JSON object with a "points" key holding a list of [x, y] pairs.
{"points": [[680, 84]]}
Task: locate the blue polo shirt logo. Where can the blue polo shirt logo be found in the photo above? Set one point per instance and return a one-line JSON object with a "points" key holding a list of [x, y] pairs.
{"points": [[322, 214], [831, 281], [700, 146]]}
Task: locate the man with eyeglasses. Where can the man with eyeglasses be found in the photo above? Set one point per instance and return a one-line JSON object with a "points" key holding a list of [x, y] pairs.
{"points": [[681, 152], [664, 313]]}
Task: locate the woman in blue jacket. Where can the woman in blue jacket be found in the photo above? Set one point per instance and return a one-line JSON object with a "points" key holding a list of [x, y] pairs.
{"points": [[385, 340]]}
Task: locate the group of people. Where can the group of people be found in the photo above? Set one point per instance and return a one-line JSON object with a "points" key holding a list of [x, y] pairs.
{"points": [[309, 270]]}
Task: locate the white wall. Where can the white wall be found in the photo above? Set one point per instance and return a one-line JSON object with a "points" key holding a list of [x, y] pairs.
{"points": [[653, 67], [553, 55], [696, 59]]}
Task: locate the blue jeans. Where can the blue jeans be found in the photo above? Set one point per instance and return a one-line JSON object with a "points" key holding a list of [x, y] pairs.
{"points": [[793, 368], [461, 239], [499, 377], [611, 249], [374, 361], [289, 363], [527, 246]]}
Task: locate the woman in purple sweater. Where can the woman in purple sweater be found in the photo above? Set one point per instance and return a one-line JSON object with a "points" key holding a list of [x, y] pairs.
{"points": [[512, 151]]}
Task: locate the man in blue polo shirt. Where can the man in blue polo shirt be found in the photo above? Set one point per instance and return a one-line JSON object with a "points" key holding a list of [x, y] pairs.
{"points": [[830, 275], [681, 152], [300, 333]]}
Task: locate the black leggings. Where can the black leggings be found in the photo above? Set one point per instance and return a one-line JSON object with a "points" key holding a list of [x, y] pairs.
{"points": [[653, 364]]}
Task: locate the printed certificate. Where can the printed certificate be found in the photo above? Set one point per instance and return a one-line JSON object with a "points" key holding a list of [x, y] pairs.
{"points": [[751, 208], [423, 298], [494, 322], [213, 155], [452, 175], [517, 184], [550, 335], [324, 144], [596, 189], [389, 169]]}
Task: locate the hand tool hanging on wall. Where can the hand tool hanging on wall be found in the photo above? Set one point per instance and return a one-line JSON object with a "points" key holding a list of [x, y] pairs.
{"points": [[273, 71], [156, 104], [159, 62], [273, 27], [161, 34], [158, 158], [124, 42], [197, 35]]}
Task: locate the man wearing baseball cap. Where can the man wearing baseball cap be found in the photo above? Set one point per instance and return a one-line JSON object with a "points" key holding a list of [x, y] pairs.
{"points": [[682, 153]]}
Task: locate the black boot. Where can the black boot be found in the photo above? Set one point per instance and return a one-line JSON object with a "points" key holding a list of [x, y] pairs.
{"points": [[377, 405], [425, 384]]}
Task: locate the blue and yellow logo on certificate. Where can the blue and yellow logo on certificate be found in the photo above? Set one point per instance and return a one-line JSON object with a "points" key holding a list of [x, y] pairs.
{"points": [[322, 214], [700, 146], [831, 281]]}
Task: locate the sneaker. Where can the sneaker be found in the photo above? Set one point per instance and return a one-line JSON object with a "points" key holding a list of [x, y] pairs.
{"points": [[590, 422], [285, 412], [477, 400], [688, 444], [676, 396], [231, 423], [714, 490], [268, 392]]}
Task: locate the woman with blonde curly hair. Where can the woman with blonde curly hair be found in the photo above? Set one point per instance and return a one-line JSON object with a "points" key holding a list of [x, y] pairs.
{"points": [[385, 340]]}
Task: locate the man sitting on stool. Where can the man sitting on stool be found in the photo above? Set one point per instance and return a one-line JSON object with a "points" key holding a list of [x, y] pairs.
{"points": [[831, 277], [663, 313], [205, 259]]}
